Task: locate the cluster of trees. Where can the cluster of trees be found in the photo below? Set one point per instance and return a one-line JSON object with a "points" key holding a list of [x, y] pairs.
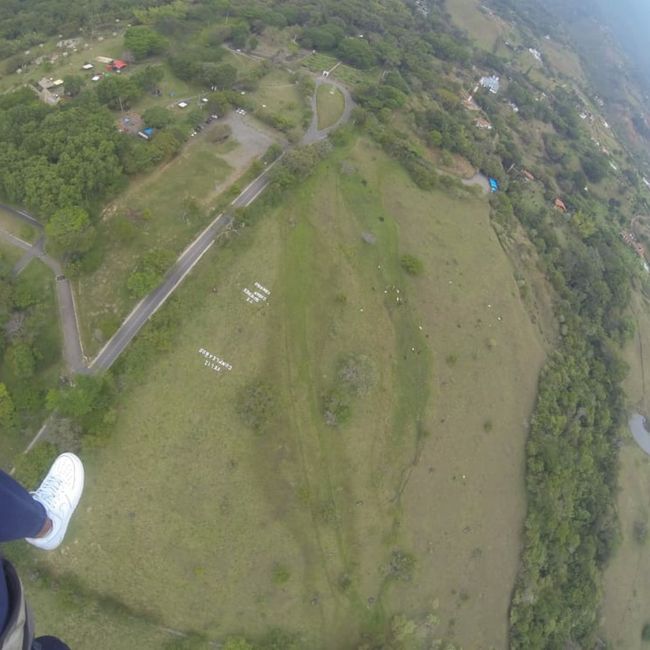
{"points": [[52, 158], [571, 527], [29, 344]]}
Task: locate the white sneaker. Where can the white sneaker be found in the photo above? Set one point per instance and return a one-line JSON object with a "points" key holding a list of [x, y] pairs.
{"points": [[59, 493]]}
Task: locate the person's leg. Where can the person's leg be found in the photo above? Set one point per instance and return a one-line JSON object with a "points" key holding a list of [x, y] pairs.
{"points": [[4, 600], [49, 643], [20, 515]]}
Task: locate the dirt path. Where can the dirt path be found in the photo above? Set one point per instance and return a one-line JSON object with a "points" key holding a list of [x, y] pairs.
{"points": [[478, 179]]}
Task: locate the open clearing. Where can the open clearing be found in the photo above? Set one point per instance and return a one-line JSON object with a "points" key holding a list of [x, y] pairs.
{"points": [[479, 25], [330, 105], [627, 578], [15, 226], [277, 94], [163, 210], [297, 525]]}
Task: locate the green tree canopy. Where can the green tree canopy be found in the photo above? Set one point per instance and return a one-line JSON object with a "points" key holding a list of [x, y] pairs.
{"points": [[221, 76], [357, 52], [7, 411], [142, 41], [157, 117], [69, 230]]}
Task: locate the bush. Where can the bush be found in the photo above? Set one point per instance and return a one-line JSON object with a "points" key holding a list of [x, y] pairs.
{"points": [[645, 633], [401, 565], [411, 264], [256, 404], [281, 574], [640, 531], [32, 467]]}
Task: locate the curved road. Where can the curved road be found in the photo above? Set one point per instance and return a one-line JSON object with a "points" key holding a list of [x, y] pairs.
{"points": [[72, 351], [314, 134]]}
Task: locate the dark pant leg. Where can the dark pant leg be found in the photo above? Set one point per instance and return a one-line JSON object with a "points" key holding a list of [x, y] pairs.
{"points": [[49, 643], [20, 515], [4, 600]]}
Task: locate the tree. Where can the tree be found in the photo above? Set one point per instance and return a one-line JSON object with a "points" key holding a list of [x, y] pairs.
{"points": [[149, 78], [221, 76], [117, 92], [149, 272], [157, 117], [20, 359], [357, 52], [239, 35], [69, 230], [73, 84], [7, 411], [79, 400], [142, 41], [218, 104]]}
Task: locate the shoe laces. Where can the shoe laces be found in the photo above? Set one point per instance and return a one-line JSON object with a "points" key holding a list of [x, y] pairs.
{"points": [[50, 493]]}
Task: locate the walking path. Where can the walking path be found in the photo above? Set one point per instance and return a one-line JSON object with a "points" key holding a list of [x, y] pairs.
{"points": [[314, 134]]}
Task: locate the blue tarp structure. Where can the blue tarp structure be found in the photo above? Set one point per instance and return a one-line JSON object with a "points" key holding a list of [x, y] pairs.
{"points": [[148, 131], [494, 184]]}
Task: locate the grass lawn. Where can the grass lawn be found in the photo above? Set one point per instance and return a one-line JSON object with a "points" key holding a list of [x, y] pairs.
{"points": [[9, 255], [164, 210], [155, 212], [318, 62], [297, 525], [627, 577], [15, 226], [481, 27], [110, 46], [563, 60], [330, 105], [276, 94]]}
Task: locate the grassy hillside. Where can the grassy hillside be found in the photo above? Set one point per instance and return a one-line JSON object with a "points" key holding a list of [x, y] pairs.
{"points": [[627, 586], [362, 459]]}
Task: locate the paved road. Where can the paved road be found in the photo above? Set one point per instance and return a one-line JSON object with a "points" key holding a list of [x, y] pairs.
{"points": [[72, 351], [314, 134], [144, 310], [149, 305]]}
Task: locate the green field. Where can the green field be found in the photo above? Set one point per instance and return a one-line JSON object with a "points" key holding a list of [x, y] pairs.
{"points": [[330, 105], [164, 210], [483, 28], [16, 227], [303, 524], [277, 94], [627, 578]]}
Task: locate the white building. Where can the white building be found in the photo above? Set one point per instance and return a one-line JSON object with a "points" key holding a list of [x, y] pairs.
{"points": [[491, 83]]}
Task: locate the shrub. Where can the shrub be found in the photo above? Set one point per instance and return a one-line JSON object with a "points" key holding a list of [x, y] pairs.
{"points": [[401, 565], [281, 574], [640, 531], [645, 633], [256, 404], [411, 264], [32, 467]]}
